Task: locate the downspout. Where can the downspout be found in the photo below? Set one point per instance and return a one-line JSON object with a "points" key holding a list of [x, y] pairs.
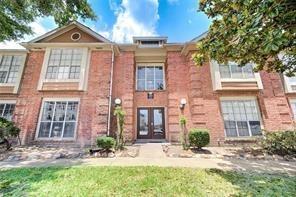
{"points": [[110, 92]]}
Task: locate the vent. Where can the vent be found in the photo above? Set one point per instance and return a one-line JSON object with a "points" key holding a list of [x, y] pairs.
{"points": [[76, 36]]}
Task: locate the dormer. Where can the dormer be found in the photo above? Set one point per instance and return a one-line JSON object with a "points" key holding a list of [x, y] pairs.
{"points": [[67, 56], [150, 42]]}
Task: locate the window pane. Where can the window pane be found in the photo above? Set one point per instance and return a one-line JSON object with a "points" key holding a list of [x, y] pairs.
{"points": [[69, 129], [242, 128], [143, 122], [44, 129], [8, 111], [3, 76], [141, 85], [57, 128], [159, 85], [72, 111], [292, 79], [48, 108], [248, 71], [255, 128], [224, 71], [141, 72], [230, 128], [2, 106], [150, 85], [60, 111], [158, 72], [149, 73], [236, 71]]}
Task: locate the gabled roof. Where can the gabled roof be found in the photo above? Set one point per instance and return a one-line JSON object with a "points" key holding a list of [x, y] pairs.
{"points": [[76, 24], [199, 37]]}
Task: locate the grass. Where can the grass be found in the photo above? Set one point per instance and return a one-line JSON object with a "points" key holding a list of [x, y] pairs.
{"points": [[141, 181]]}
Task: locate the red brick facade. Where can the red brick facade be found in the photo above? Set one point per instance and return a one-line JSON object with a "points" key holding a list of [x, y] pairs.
{"points": [[182, 80]]}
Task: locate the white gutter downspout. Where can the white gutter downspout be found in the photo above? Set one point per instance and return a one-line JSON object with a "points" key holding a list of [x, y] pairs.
{"points": [[110, 92]]}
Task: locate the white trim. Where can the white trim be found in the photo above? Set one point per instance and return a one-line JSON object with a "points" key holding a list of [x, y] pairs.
{"points": [[79, 36], [293, 102], [83, 68], [40, 116], [151, 65], [7, 101], [217, 79], [246, 98], [288, 85], [23, 56]]}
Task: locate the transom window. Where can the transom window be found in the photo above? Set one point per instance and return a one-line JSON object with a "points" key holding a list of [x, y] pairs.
{"points": [[9, 68], [241, 118], [234, 71], [150, 78], [64, 64], [58, 119], [6, 110]]}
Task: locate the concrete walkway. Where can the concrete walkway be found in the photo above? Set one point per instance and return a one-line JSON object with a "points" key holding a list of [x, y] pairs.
{"points": [[152, 155]]}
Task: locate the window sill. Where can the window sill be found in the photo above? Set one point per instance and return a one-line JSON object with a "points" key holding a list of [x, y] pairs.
{"points": [[239, 80], [55, 139], [7, 84], [251, 138], [61, 80], [150, 90]]}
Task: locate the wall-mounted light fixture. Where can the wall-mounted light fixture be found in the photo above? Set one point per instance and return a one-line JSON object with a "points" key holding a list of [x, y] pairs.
{"points": [[183, 103], [117, 101]]}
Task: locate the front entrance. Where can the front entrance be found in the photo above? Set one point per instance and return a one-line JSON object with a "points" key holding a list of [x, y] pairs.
{"points": [[151, 123]]}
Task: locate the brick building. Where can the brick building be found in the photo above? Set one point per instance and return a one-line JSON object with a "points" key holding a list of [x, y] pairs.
{"points": [[62, 88]]}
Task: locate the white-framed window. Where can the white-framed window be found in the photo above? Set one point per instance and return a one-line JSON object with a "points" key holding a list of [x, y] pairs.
{"points": [[9, 68], [7, 109], [234, 71], [241, 117], [58, 119], [150, 77], [290, 84], [64, 63], [293, 106]]}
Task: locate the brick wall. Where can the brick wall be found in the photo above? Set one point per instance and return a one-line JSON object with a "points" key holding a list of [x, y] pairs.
{"points": [[93, 109]]}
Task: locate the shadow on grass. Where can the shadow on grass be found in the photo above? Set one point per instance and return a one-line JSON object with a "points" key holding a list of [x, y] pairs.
{"points": [[258, 184]]}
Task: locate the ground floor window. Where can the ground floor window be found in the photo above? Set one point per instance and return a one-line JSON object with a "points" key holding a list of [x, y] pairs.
{"points": [[6, 110], [241, 118], [58, 119]]}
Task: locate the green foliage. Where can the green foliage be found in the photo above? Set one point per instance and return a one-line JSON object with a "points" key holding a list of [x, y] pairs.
{"points": [[106, 143], [281, 142], [255, 31], [17, 14], [8, 129], [120, 115], [199, 138], [184, 137]]}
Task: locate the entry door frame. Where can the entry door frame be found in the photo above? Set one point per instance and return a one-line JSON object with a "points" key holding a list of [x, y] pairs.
{"points": [[150, 122]]}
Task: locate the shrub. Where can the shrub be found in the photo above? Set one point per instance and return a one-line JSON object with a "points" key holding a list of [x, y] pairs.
{"points": [[106, 143], [7, 130], [281, 142], [199, 138]]}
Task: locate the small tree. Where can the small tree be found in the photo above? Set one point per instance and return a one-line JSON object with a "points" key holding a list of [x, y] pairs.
{"points": [[184, 137], [7, 130], [120, 115]]}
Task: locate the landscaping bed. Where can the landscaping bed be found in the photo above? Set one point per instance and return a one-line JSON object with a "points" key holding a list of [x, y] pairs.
{"points": [[223, 152], [46, 153], [141, 181]]}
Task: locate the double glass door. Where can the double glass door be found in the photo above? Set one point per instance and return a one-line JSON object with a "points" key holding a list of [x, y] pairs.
{"points": [[151, 123]]}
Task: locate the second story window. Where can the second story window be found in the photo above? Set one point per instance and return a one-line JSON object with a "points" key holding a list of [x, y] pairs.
{"points": [[234, 71], [9, 68], [64, 64], [150, 78]]}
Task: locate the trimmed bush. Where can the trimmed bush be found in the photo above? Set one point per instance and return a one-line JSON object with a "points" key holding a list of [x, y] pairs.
{"points": [[106, 143], [199, 138], [280, 142]]}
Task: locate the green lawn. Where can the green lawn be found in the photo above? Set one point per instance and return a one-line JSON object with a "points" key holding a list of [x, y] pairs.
{"points": [[140, 181]]}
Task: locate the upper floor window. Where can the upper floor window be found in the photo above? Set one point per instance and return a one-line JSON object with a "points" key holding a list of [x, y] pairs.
{"points": [[241, 118], [9, 68], [234, 71], [150, 78], [64, 64], [6, 110]]}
